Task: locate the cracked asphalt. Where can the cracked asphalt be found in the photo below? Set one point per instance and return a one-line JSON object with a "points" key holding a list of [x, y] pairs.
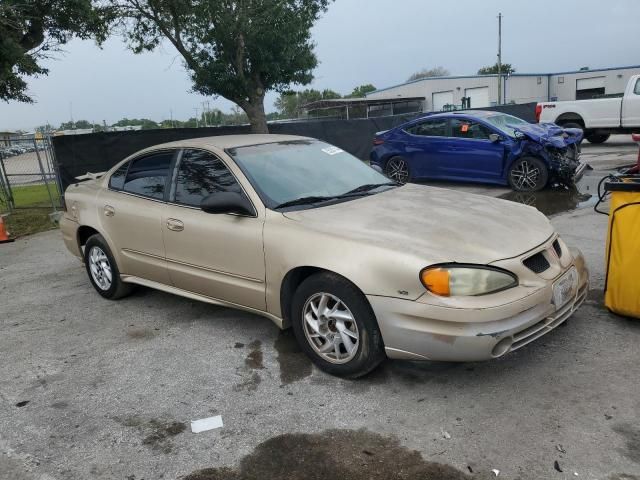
{"points": [[94, 389]]}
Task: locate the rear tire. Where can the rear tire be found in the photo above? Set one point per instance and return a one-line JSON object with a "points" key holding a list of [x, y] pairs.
{"points": [[102, 269], [528, 174], [397, 169], [597, 138], [336, 327]]}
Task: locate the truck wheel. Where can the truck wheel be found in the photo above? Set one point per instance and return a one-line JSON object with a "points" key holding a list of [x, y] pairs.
{"points": [[597, 138], [528, 174], [572, 125]]}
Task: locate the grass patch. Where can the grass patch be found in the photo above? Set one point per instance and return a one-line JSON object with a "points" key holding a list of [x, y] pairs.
{"points": [[28, 222], [33, 207], [35, 195]]}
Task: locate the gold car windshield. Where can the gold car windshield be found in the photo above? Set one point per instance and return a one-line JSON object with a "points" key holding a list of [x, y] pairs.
{"points": [[291, 172]]}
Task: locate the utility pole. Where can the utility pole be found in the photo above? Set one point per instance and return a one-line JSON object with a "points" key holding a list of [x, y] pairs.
{"points": [[499, 58], [204, 114], [197, 124]]}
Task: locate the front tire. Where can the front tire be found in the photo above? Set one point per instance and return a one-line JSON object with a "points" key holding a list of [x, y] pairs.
{"points": [[102, 269], [528, 174], [597, 138], [397, 169], [336, 327]]}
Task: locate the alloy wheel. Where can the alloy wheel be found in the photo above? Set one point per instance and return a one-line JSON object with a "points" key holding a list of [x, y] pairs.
{"points": [[330, 328], [398, 170], [100, 268], [525, 175]]}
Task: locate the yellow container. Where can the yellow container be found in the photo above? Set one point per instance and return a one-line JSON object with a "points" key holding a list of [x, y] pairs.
{"points": [[622, 282]]}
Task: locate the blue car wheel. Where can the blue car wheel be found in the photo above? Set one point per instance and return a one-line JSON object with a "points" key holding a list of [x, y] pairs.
{"points": [[397, 169], [528, 174]]}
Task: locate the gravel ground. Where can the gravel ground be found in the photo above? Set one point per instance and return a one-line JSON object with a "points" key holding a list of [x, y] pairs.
{"points": [[91, 388]]}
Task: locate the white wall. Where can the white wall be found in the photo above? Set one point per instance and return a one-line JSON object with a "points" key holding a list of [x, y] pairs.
{"points": [[519, 89], [613, 83], [425, 88], [526, 89]]}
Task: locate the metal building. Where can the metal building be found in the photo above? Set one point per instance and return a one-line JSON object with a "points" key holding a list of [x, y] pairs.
{"points": [[445, 93]]}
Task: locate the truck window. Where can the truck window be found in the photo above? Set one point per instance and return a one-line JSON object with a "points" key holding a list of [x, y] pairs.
{"points": [[637, 89]]}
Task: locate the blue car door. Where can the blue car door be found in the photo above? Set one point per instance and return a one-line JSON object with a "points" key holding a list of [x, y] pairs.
{"points": [[470, 152], [425, 147]]}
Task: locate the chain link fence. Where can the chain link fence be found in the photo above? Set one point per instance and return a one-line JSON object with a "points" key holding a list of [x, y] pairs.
{"points": [[30, 199], [28, 179]]}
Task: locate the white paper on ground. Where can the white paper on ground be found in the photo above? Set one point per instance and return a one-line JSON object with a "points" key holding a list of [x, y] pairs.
{"points": [[205, 424]]}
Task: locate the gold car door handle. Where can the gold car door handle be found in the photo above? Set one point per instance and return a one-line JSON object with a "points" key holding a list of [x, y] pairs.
{"points": [[109, 211], [175, 225]]}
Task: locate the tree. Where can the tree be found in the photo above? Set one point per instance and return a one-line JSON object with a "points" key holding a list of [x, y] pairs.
{"points": [[290, 104], [238, 49], [361, 91], [78, 125], [145, 122], [429, 72], [506, 68], [31, 30]]}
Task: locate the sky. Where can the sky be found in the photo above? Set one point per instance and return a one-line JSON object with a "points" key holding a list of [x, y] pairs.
{"points": [[357, 42]]}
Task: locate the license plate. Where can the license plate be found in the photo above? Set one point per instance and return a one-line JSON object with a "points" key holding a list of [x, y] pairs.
{"points": [[565, 288]]}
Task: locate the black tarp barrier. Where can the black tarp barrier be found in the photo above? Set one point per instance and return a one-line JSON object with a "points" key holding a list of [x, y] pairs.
{"points": [[97, 152]]}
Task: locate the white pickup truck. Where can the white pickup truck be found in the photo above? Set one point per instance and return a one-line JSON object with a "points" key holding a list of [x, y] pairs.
{"points": [[599, 117]]}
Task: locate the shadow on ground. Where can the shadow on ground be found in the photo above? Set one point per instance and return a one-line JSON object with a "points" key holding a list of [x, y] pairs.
{"points": [[337, 454]]}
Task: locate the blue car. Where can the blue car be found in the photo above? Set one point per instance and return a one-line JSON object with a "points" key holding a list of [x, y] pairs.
{"points": [[480, 146]]}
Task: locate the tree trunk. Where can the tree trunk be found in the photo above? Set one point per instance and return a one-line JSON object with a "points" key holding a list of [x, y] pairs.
{"points": [[257, 117]]}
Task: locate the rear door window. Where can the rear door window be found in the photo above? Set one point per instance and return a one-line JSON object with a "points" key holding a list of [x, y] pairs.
{"points": [[461, 128], [430, 128], [147, 176], [199, 175], [116, 182]]}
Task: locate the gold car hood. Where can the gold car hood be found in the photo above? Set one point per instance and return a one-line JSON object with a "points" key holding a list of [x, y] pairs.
{"points": [[437, 224]]}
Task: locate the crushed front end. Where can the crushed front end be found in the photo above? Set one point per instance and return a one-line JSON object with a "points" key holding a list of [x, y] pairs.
{"points": [[559, 147]]}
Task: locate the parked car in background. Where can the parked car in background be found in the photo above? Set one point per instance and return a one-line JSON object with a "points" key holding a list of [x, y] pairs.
{"points": [[600, 117], [309, 236], [480, 146]]}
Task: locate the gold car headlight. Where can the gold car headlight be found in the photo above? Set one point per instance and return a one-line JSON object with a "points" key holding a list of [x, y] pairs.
{"points": [[452, 279]]}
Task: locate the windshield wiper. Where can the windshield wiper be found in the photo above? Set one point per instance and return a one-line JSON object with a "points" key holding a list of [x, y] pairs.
{"points": [[368, 187], [362, 189], [304, 201]]}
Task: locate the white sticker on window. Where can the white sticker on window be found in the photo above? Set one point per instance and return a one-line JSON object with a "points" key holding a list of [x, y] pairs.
{"points": [[332, 150]]}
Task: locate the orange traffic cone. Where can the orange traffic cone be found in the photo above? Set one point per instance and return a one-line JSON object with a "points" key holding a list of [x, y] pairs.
{"points": [[4, 235]]}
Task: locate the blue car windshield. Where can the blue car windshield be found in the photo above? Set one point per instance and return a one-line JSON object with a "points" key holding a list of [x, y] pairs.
{"points": [[504, 123]]}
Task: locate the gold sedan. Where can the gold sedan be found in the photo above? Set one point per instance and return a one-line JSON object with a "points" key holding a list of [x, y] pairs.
{"points": [[307, 235]]}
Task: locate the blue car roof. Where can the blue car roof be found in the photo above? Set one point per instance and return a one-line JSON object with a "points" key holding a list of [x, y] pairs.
{"points": [[466, 113]]}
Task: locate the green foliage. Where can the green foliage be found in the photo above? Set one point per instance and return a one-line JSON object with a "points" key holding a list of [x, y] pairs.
{"points": [[31, 30], [78, 125], [290, 104], [429, 72], [236, 49], [361, 91], [493, 69], [128, 122]]}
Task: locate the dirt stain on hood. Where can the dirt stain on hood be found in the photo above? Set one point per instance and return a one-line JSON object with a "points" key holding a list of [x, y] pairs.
{"points": [[335, 454]]}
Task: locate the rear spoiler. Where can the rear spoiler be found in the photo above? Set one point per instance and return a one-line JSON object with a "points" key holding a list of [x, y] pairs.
{"points": [[90, 176]]}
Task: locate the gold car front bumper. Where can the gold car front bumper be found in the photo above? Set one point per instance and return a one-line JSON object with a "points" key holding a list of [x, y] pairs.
{"points": [[416, 330]]}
